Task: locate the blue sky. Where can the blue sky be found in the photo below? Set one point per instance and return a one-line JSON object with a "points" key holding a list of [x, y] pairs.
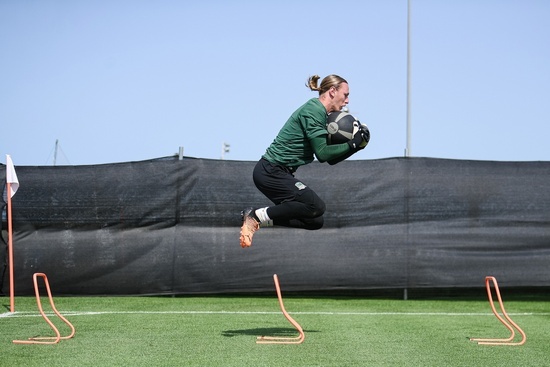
{"points": [[117, 81]]}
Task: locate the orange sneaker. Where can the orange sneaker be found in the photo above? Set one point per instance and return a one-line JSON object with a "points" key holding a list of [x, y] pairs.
{"points": [[250, 225]]}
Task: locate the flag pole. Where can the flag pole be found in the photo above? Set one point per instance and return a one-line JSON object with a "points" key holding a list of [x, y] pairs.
{"points": [[12, 184], [10, 250]]}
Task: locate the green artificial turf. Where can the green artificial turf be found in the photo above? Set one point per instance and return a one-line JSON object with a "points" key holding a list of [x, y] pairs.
{"points": [[222, 331]]}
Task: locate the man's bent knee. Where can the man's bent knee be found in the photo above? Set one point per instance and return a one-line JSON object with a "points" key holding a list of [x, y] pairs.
{"points": [[315, 204]]}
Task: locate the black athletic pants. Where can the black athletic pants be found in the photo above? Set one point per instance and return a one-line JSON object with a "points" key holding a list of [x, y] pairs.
{"points": [[296, 205]]}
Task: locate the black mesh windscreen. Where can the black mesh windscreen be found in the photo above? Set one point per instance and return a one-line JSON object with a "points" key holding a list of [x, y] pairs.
{"points": [[170, 226]]}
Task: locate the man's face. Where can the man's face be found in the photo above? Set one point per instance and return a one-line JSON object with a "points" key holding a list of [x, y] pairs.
{"points": [[340, 97]]}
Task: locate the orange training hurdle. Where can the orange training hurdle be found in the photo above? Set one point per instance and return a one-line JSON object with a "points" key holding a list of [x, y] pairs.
{"points": [[47, 339], [278, 339], [506, 320]]}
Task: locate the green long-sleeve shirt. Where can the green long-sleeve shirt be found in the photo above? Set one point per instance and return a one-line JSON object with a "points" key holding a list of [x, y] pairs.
{"points": [[303, 135]]}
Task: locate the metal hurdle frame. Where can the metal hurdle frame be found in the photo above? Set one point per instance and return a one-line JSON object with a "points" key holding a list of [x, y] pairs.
{"points": [[504, 319], [279, 339], [47, 339]]}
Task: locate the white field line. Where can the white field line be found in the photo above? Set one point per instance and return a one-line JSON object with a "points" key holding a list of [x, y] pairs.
{"points": [[321, 313]]}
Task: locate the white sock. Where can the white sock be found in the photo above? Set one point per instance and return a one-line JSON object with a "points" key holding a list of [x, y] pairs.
{"points": [[262, 215]]}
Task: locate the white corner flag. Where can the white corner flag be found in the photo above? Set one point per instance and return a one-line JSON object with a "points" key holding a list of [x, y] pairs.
{"points": [[11, 177]]}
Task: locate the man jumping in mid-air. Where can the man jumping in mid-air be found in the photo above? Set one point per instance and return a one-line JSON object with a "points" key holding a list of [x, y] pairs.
{"points": [[302, 136]]}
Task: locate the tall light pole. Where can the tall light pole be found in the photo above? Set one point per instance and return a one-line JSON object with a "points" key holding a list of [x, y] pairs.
{"points": [[408, 148]]}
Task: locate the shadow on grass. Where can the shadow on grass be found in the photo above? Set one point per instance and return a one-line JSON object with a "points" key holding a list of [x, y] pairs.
{"points": [[279, 331]]}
